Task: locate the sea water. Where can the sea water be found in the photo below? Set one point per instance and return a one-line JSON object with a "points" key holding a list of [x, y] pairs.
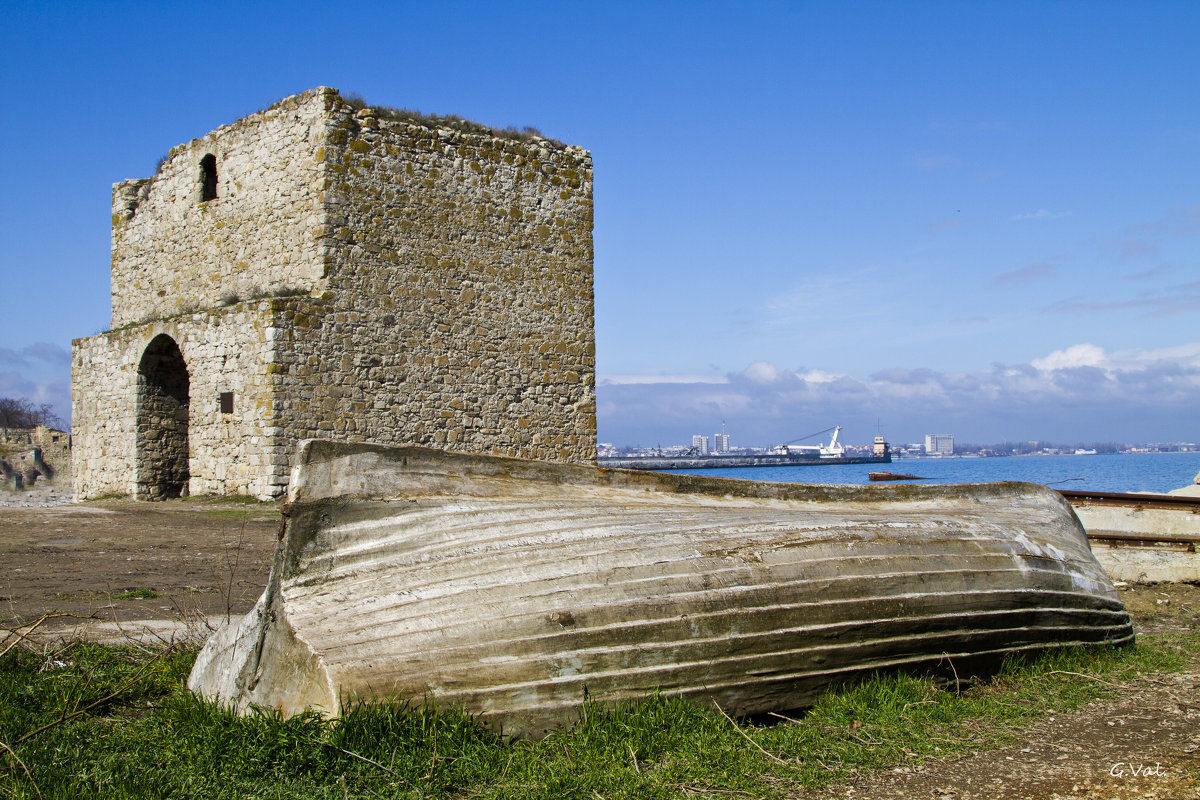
{"points": [[1133, 472]]}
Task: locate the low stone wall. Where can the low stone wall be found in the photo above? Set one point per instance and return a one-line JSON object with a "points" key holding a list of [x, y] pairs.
{"points": [[30, 455]]}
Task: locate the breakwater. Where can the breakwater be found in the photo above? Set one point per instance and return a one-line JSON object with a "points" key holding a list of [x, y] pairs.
{"points": [[725, 462], [1132, 472]]}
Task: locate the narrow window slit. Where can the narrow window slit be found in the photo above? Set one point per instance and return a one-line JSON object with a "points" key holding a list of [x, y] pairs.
{"points": [[208, 178]]}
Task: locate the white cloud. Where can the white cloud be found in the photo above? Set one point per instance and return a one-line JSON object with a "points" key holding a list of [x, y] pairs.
{"points": [[1041, 213], [1180, 298], [40, 351], [1030, 272], [761, 372], [39, 373], [807, 304], [618, 380], [8, 356], [1078, 393], [1079, 355], [37, 390], [818, 376]]}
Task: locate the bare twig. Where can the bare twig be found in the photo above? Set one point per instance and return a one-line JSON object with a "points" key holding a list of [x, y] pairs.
{"points": [[125, 635], [87, 684], [691, 787], [28, 774], [637, 770], [957, 684], [372, 762], [19, 635], [82, 711], [774, 758], [432, 760], [919, 703], [867, 742], [237, 555], [1082, 675]]}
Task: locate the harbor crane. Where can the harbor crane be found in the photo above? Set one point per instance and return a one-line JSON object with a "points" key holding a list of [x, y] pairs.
{"points": [[834, 449]]}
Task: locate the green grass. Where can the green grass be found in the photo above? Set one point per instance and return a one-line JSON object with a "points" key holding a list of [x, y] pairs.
{"points": [[94, 721], [137, 594], [249, 512], [234, 506], [526, 133], [226, 499]]}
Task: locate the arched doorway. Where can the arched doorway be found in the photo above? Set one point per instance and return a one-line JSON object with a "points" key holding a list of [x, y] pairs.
{"points": [[162, 421]]}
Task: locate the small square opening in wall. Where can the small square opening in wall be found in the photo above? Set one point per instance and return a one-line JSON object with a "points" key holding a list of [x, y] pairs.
{"points": [[226, 402]]}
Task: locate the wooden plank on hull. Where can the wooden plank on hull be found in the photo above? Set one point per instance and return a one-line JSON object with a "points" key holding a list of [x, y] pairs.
{"points": [[511, 586]]}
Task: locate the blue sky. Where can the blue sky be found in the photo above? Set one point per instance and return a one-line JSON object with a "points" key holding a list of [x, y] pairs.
{"points": [[975, 218]]}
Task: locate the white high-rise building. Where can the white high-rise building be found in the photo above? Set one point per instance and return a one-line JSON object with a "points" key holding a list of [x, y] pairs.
{"points": [[721, 440], [939, 444], [700, 444]]}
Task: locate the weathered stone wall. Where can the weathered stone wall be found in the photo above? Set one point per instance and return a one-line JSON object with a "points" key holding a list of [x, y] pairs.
{"points": [[225, 350], [408, 283], [459, 303], [55, 444], [173, 253], [34, 455], [103, 412]]}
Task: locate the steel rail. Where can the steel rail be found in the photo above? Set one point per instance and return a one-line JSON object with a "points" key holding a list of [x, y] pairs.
{"points": [[1132, 500], [1188, 543], [1138, 502]]}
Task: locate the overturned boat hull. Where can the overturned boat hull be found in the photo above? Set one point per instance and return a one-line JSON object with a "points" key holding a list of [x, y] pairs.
{"points": [[517, 589]]}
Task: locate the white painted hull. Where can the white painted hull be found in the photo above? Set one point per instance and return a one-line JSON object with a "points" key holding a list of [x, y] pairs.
{"points": [[517, 588]]}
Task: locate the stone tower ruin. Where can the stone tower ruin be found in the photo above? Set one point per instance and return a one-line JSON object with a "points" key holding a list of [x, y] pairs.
{"points": [[323, 270]]}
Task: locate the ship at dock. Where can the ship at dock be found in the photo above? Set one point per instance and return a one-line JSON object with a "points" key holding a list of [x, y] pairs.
{"points": [[788, 454]]}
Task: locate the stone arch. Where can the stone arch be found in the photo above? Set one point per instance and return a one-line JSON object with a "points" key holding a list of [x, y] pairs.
{"points": [[162, 421]]}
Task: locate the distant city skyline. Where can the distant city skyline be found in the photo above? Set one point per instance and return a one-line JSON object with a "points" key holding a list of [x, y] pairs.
{"points": [[981, 218], [910, 449]]}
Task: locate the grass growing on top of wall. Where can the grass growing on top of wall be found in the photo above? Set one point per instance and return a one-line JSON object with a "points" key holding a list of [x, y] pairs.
{"points": [[86, 720], [523, 134]]}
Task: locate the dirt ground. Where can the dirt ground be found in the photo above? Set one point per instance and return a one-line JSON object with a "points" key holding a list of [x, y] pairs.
{"points": [[178, 568], [163, 567], [1142, 743]]}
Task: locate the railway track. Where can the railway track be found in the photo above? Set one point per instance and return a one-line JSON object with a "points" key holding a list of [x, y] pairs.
{"points": [[1139, 502]]}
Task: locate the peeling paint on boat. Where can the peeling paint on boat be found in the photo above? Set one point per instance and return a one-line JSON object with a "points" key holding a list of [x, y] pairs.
{"points": [[516, 588]]}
